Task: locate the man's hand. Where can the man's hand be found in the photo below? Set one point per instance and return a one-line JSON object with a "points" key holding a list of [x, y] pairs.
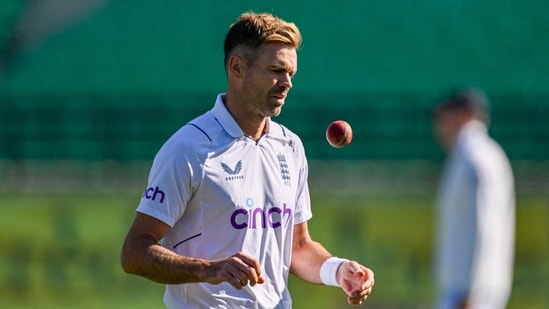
{"points": [[238, 270], [356, 280]]}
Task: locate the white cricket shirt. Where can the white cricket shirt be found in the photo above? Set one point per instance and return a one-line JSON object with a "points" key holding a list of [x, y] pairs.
{"points": [[222, 192], [476, 222]]}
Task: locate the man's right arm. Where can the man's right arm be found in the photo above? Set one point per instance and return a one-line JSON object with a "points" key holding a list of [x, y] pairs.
{"points": [[142, 255]]}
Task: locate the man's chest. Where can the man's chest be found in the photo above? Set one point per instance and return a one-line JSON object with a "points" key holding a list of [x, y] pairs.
{"points": [[256, 186]]}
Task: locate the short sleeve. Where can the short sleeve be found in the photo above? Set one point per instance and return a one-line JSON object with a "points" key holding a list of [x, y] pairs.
{"points": [[169, 185]]}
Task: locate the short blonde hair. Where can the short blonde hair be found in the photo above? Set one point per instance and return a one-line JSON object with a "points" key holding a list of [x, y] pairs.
{"points": [[251, 30]]}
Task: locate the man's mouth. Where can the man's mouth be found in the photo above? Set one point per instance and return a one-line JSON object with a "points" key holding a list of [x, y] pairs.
{"points": [[280, 96]]}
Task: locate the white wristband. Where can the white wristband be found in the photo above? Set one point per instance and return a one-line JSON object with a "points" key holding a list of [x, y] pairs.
{"points": [[328, 270]]}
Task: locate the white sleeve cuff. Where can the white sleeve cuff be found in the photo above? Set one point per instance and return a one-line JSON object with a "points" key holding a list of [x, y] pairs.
{"points": [[328, 270]]}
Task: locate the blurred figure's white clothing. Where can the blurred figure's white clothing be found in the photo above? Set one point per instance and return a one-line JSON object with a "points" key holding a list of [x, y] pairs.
{"points": [[476, 223]]}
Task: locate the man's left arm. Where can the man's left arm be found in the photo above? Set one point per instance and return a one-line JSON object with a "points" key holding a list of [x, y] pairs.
{"points": [[313, 263]]}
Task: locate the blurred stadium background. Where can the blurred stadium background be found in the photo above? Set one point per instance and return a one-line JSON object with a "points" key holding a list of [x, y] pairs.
{"points": [[90, 89]]}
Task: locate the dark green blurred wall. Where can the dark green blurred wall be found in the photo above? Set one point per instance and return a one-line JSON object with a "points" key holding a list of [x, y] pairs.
{"points": [[118, 83]]}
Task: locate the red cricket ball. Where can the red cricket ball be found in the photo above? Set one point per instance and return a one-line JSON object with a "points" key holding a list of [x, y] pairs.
{"points": [[339, 134]]}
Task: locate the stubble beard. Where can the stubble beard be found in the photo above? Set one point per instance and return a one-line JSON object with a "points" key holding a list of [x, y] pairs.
{"points": [[275, 112], [268, 110]]}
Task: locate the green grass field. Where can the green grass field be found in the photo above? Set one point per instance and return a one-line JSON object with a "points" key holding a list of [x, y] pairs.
{"points": [[62, 251]]}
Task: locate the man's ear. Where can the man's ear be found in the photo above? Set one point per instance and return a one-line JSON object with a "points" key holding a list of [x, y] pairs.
{"points": [[236, 66]]}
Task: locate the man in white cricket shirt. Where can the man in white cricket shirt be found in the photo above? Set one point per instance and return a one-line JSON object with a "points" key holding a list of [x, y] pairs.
{"points": [[476, 209], [223, 220]]}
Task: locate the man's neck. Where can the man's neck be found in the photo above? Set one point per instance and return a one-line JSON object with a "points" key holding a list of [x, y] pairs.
{"points": [[252, 125]]}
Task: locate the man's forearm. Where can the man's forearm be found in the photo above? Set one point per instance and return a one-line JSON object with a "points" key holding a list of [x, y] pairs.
{"points": [[307, 258], [162, 265]]}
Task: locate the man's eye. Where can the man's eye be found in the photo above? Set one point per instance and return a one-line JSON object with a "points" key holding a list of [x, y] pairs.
{"points": [[283, 71]]}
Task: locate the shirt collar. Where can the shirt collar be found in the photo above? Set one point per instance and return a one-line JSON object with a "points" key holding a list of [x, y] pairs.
{"points": [[227, 121], [470, 128]]}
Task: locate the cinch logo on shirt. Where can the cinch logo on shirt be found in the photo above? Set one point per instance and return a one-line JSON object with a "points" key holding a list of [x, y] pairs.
{"points": [[154, 193], [257, 218]]}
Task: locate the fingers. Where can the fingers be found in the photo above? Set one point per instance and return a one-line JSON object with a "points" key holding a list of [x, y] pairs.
{"points": [[249, 261], [369, 275], [241, 269], [358, 298], [251, 268], [354, 276], [357, 281]]}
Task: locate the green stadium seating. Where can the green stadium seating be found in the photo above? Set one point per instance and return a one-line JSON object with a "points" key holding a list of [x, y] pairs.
{"points": [[117, 84]]}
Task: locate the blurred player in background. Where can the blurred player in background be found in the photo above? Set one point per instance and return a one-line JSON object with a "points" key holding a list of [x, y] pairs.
{"points": [[475, 209], [223, 221]]}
